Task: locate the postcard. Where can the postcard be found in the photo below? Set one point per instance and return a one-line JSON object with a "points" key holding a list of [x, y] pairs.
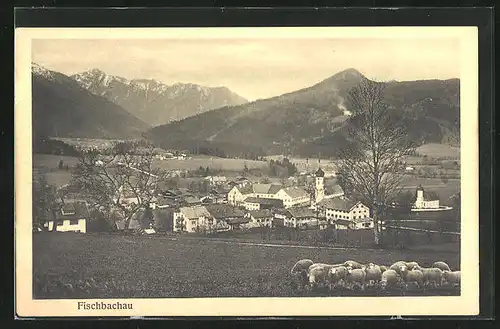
{"points": [[260, 171]]}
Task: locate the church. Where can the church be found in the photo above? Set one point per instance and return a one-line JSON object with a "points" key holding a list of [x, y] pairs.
{"points": [[324, 193]]}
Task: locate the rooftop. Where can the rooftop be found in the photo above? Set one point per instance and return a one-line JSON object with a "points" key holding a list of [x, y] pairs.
{"points": [[266, 201], [295, 192], [73, 210], [224, 211], [195, 212], [301, 212], [263, 213], [338, 204]]}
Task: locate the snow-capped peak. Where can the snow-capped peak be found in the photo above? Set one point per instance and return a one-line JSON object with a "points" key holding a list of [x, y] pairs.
{"points": [[41, 71]]}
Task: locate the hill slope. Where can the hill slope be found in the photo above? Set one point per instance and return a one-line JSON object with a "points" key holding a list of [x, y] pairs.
{"points": [[61, 108], [311, 120], [154, 102]]}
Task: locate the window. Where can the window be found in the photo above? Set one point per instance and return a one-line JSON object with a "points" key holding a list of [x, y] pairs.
{"points": [[73, 222]]}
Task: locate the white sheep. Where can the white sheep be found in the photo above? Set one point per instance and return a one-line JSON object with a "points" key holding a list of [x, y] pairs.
{"points": [[383, 268], [299, 272], [301, 265], [356, 276], [412, 265], [412, 276], [397, 266], [336, 275], [389, 278], [373, 273], [441, 265], [432, 275], [318, 276], [451, 277], [352, 264]]}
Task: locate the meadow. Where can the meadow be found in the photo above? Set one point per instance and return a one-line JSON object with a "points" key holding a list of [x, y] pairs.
{"points": [[434, 150], [72, 265]]}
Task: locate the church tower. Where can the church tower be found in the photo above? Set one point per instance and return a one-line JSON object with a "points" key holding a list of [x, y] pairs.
{"points": [[320, 186]]}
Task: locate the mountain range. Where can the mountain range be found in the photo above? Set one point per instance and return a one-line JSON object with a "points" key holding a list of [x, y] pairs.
{"points": [[61, 108], [153, 101], [306, 122], [312, 121]]}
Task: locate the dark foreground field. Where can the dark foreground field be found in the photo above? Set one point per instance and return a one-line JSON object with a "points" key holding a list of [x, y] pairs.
{"points": [[70, 265]]}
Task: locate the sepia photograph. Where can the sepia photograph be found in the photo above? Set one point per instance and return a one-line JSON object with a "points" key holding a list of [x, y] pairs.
{"points": [[207, 171]]}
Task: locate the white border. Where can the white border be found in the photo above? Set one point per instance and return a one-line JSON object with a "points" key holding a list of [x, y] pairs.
{"points": [[466, 304]]}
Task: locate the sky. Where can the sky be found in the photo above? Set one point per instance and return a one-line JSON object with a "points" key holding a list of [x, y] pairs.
{"points": [[253, 68]]}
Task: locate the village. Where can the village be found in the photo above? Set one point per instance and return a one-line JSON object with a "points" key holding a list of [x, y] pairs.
{"points": [[309, 200]]}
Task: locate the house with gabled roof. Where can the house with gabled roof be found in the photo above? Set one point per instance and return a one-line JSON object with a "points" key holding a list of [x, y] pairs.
{"points": [[72, 217], [302, 217], [189, 219], [234, 217], [260, 218], [341, 211], [293, 196], [254, 203], [290, 196]]}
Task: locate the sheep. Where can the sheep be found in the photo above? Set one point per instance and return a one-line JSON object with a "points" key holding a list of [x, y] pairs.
{"points": [[300, 272], [337, 274], [373, 273], [432, 275], [389, 278], [383, 268], [352, 264], [318, 276], [301, 265], [397, 266], [441, 265], [410, 276], [412, 265], [452, 277], [356, 276]]}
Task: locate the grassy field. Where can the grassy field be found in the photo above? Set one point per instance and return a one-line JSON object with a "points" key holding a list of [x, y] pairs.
{"points": [[439, 150], [67, 265], [213, 163]]}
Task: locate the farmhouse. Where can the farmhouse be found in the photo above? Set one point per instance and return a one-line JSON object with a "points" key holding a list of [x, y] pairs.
{"points": [[253, 203], [72, 217], [353, 224], [259, 218], [337, 208], [296, 217], [189, 219], [234, 217]]}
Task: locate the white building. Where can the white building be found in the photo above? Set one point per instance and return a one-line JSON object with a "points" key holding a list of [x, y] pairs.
{"points": [[290, 196], [293, 196], [421, 203], [189, 219], [216, 180], [341, 209], [71, 218]]}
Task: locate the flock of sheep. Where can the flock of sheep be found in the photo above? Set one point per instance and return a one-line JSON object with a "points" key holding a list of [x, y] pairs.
{"points": [[351, 274]]}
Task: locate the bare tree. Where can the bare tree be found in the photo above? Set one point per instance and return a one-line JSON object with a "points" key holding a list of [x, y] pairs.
{"points": [[120, 182], [373, 160]]}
